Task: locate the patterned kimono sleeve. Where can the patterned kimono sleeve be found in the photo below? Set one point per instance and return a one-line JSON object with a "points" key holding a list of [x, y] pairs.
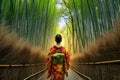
{"points": [[67, 61], [48, 60]]}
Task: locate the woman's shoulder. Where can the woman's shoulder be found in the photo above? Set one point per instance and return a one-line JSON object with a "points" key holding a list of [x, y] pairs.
{"points": [[52, 48], [62, 48]]}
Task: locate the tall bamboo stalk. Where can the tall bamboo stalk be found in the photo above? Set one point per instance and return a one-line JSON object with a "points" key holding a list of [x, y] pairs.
{"points": [[31, 19], [91, 18]]}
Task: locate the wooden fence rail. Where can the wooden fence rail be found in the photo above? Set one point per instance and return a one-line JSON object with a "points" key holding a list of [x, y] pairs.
{"points": [[104, 70], [19, 65], [102, 62]]}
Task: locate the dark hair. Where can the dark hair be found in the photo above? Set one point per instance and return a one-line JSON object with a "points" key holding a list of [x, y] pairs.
{"points": [[58, 38]]}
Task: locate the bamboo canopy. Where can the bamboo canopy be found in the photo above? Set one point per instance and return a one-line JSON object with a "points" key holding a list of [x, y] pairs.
{"points": [[36, 20]]}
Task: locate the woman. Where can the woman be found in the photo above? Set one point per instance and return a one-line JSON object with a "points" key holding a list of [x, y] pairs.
{"points": [[57, 60]]}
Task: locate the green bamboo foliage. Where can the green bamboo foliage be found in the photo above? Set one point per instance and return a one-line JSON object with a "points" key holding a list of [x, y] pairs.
{"points": [[35, 20], [31, 19], [90, 19]]}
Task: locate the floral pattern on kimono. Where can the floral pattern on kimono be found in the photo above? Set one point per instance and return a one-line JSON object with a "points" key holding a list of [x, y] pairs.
{"points": [[57, 71]]}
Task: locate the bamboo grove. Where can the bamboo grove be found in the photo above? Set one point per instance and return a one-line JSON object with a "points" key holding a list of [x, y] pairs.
{"points": [[36, 20], [31, 19], [89, 19]]}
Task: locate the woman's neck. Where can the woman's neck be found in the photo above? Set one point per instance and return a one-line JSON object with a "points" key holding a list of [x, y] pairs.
{"points": [[58, 45]]}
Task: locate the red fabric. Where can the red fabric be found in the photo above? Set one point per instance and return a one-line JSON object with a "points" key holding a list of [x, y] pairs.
{"points": [[62, 50], [56, 74]]}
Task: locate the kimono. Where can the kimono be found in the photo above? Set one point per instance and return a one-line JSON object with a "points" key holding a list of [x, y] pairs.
{"points": [[57, 71]]}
